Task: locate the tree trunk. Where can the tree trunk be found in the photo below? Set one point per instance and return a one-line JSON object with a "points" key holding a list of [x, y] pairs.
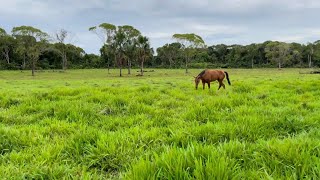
{"points": [[142, 67], [108, 63], [64, 61], [186, 65], [6, 55], [33, 67], [24, 62], [120, 60], [279, 65], [108, 68], [252, 63], [310, 63], [129, 66], [310, 60]]}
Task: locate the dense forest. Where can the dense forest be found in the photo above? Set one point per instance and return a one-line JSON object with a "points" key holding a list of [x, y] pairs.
{"points": [[124, 47]]}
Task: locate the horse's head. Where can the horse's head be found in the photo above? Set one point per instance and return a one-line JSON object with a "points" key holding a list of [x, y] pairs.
{"points": [[196, 81]]}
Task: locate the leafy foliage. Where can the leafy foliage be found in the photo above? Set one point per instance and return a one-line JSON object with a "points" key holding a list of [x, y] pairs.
{"points": [[120, 50]]}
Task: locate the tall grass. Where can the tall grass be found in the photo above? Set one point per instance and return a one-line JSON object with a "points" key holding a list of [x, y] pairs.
{"points": [[87, 124]]}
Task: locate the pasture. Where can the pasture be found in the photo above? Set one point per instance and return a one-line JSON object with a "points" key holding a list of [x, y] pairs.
{"points": [[87, 124]]}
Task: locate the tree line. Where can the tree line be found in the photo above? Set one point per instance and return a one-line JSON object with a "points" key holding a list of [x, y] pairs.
{"points": [[124, 47]]}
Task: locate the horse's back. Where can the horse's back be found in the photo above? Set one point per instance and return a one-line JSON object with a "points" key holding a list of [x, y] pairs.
{"points": [[219, 73], [213, 75]]}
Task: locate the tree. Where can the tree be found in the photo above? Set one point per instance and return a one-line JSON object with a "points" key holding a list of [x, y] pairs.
{"points": [[297, 53], [107, 55], [253, 52], [6, 45], [105, 32], [278, 52], [144, 51], [118, 46], [237, 56], [169, 53], [2, 32], [130, 51], [284, 54], [218, 53], [33, 40], [310, 49], [316, 53], [123, 45], [61, 47], [130, 43], [75, 54], [190, 42], [22, 49], [92, 60]]}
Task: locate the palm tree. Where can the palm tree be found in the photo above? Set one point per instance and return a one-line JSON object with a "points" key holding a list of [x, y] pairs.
{"points": [[119, 41], [130, 48], [143, 50]]}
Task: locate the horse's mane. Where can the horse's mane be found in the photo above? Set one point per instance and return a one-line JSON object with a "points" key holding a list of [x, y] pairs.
{"points": [[202, 73]]}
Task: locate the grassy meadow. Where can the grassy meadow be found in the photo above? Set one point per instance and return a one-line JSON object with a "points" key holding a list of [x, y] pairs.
{"points": [[87, 124]]}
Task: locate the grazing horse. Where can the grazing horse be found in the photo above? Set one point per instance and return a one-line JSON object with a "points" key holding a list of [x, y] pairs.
{"points": [[208, 75]]}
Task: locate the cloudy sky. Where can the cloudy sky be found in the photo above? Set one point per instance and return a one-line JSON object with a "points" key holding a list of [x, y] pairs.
{"points": [[217, 21]]}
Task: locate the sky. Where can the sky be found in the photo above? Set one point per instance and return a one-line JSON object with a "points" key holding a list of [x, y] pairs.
{"points": [[216, 21]]}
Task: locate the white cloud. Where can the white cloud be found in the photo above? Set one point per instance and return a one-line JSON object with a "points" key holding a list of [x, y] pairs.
{"points": [[87, 41], [299, 35], [209, 29], [201, 29], [44, 9], [293, 38], [158, 35]]}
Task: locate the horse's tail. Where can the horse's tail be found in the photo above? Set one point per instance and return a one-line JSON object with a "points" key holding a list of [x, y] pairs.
{"points": [[227, 77]]}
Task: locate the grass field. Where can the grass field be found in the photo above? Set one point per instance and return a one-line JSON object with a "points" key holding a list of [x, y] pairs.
{"points": [[86, 124]]}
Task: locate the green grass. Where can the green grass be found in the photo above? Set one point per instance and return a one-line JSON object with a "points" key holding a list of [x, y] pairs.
{"points": [[87, 124]]}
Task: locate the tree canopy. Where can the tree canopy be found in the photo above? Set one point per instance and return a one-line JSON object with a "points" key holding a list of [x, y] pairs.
{"points": [[124, 46]]}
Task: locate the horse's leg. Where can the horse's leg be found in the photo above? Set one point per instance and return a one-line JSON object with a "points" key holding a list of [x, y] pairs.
{"points": [[209, 85], [203, 84], [220, 84]]}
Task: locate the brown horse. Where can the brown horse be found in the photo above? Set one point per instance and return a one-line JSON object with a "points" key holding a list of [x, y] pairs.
{"points": [[208, 75]]}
